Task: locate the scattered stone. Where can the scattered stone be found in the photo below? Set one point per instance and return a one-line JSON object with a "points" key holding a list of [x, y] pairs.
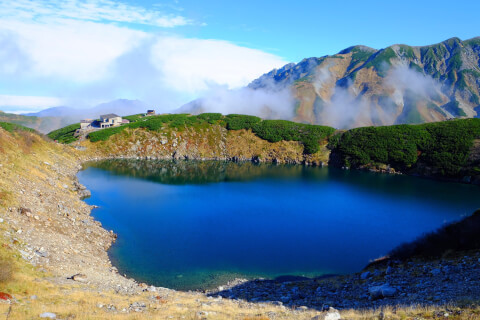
{"points": [[365, 275], [331, 314], [34, 297], [25, 211], [383, 291], [389, 270], [48, 315]]}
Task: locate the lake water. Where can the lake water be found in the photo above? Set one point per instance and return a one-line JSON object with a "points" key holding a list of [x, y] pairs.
{"points": [[195, 225]]}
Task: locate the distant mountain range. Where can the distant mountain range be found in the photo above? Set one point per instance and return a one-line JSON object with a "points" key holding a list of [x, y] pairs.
{"points": [[57, 117], [44, 125], [359, 86], [122, 107], [362, 86]]}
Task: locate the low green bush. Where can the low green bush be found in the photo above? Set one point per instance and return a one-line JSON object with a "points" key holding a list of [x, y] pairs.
{"points": [[11, 127], [104, 134], [270, 130], [241, 121], [444, 146], [278, 130], [65, 134]]}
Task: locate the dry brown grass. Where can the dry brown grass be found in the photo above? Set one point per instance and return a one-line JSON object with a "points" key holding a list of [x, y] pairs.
{"points": [[6, 270]]}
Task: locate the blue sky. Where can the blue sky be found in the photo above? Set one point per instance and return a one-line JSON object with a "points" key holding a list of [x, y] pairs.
{"points": [[298, 29], [83, 52]]}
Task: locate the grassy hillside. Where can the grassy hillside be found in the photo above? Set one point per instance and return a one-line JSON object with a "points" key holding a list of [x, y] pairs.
{"points": [[444, 147], [44, 124], [65, 134], [271, 130]]}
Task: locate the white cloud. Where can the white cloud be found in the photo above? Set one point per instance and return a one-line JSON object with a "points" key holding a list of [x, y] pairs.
{"points": [[92, 10], [194, 65], [31, 103], [70, 51]]}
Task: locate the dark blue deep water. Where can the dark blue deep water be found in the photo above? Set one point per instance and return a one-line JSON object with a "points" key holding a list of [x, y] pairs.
{"points": [[194, 225]]}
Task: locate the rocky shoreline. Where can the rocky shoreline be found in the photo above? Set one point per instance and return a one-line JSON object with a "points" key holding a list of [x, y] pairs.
{"points": [[51, 227], [410, 283], [449, 281]]}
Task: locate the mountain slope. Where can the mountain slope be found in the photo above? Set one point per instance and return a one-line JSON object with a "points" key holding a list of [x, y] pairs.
{"points": [[41, 124], [362, 86]]}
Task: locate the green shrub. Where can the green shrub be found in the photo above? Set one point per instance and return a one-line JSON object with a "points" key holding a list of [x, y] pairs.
{"points": [[444, 146], [454, 108], [65, 134], [240, 121], [104, 134], [278, 130], [211, 118], [135, 117], [11, 127]]}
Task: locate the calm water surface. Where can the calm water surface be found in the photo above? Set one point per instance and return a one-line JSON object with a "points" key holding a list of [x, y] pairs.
{"points": [[193, 225]]}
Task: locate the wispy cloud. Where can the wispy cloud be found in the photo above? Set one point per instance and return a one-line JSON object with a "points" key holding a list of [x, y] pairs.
{"points": [[90, 10], [27, 103], [73, 50]]}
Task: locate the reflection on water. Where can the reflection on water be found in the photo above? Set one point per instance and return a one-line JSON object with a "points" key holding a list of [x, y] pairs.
{"points": [[190, 224]]}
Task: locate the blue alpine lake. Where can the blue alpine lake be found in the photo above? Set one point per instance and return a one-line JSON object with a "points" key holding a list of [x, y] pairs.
{"points": [[194, 225]]}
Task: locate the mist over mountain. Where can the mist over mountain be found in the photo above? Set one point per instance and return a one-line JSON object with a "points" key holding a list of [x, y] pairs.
{"points": [[361, 86], [57, 117]]}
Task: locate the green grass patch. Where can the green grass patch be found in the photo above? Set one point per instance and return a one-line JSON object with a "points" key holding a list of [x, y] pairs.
{"points": [[434, 107], [381, 61], [278, 130], [65, 134], [454, 108], [135, 117], [11, 127], [444, 146], [240, 121]]}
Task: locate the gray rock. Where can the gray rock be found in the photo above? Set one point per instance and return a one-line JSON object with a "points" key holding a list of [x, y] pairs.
{"points": [[365, 275], [48, 315], [331, 314], [383, 291], [80, 277], [389, 270]]}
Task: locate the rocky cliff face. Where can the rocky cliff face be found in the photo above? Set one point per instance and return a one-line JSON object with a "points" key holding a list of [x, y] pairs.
{"points": [[362, 86], [214, 142]]}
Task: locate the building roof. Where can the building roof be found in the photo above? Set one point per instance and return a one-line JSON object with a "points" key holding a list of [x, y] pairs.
{"points": [[110, 115], [149, 111], [86, 121]]}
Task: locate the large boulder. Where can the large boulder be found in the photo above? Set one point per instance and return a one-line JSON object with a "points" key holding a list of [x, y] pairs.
{"points": [[331, 314], [383, 291]]}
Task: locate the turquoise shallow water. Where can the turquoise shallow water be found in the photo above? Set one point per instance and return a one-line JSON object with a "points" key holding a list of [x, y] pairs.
{"points": [[193, 225]]}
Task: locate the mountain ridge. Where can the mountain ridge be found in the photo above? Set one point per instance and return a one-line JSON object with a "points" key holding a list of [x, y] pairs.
{"points": [[394, 85]]}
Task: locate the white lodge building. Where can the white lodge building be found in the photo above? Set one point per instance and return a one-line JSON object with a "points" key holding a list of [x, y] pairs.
{"points": [[110, 120]]}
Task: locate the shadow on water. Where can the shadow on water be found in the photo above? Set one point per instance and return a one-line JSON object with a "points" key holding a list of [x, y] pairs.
{"points": [[199, 224], [191, 172]]}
